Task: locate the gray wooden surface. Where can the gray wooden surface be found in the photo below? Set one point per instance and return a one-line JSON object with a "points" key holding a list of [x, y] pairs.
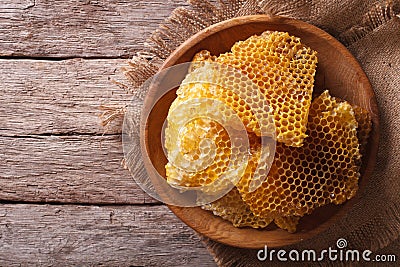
{"points": [[64, 198]]}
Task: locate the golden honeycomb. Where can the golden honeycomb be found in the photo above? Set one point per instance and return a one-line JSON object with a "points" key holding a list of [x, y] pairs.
{"points": [[232, 208], [233, 93], [229, 98], [191, 146], [200, 59], [189, 143], [204, 56], [227, 85], [364, 127], [317, 155], [288, 223], [284, 70], [324, 170]]}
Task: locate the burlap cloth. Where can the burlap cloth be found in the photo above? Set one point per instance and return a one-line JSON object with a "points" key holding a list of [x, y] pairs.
{"points": [[371, 31]]}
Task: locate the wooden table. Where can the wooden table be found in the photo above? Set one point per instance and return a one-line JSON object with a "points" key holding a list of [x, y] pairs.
{"points": [[65, 199]]}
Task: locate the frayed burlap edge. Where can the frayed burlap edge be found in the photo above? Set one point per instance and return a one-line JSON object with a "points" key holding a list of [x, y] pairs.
{"points": [[186, 21], [379, 14]]}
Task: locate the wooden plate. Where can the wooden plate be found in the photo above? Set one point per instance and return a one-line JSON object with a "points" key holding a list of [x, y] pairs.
{"points": [[337, 71]]}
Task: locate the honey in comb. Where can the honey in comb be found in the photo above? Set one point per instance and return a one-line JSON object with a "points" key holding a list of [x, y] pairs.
{"points": [[200, 59], [227, 85], [194, 132], [289, 223], [364, 127], [191, 135], [232, 208], [231, 99], [222, 84], [324, 170], [275, 202], [284, 69]]}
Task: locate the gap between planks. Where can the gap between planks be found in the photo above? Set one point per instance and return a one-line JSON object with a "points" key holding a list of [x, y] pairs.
{"points": [[53, 148], [50, 59], [56, 203], [61, 58], [69, 169]]}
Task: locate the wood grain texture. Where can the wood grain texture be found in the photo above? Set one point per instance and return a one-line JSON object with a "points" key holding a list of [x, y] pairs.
{"points": [[58, 97], [68, 169], [56, 235], [51, 143], [49, 28]]}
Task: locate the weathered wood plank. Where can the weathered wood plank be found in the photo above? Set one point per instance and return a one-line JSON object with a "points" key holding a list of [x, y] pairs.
{"points": [[49, 28], [69, 169], [60, 235], [57, 97]]}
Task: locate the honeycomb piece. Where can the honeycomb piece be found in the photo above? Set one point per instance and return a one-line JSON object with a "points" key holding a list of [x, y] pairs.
{"points": [[287, 223], [324, 170], [364, 127], [200, 58], [235, 92], [190, 144], [204, 56], [230, 87], [191, 147], [232, 208], [284, 70], [192, 91], [312, 167]]}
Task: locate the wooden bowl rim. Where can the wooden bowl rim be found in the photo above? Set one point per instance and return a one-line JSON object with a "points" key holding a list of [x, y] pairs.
{"points": [[373, 142]]}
